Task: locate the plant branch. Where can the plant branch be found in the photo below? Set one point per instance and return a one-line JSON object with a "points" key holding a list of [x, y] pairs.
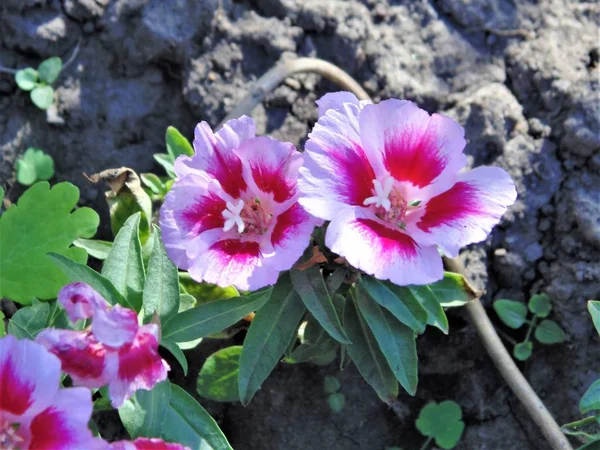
{"points": [[491, 341]]}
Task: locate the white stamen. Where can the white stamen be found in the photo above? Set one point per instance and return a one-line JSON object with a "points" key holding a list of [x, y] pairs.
{"points": [[382, 192], [232, 214]]}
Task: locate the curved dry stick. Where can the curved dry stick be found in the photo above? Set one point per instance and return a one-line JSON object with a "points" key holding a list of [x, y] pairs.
{"points": [[491, 341]]}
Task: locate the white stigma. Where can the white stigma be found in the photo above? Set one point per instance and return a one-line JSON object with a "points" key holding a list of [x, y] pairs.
{"points": [[382, 192], [232, 214]]}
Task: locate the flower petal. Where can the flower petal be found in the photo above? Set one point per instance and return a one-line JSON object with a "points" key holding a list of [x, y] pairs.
{"points": [[337, 101], [214, 154], [64, 425], [81, 355], [29, 377], [147, 444], [192, 207], [290, 236], [138, 366], [115, 327], [416, 148], [81, 301], [270, 166], [467, 212], [384, 252], [337, 171], [228, 262]]}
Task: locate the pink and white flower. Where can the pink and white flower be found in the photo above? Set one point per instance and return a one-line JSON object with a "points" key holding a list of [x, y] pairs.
{"points": [[387, 177], [233, 217], [114, 351], [34, 412]]}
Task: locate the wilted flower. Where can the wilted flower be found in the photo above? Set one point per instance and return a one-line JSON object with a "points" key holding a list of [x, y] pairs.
{"points": [[233, 217], [387, 177], [34, 412], [115, 351]]}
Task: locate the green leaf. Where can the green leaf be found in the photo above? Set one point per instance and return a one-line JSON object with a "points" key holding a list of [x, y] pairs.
{"points": [[2, 327], [397, 300], [540, 305], [166, 161], [177, 144], [50, 69], [42, 96], [335, 280], [367, 356], [594, 309], [124, 266], [316, 343], [428, 300], [26, 78], [41, 222], [586, 430], [331, 384], [34, 166], [161, 290], [95, 247], [396, 340], [78, 272], [336, 402], [170, 413], [218, 378], [210, 318], [522, 350], [27, 322], [268, 336], [154, 183], [206, 292], [453, 290], [176, 352], [549, 332], [591, 399], [512, 313], [1, 197], [443, 422], [310, 286]]}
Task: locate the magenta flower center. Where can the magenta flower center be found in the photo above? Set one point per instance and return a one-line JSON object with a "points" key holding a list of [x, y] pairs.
{"points": [[389, 203], [250, 217], [10, 439]]}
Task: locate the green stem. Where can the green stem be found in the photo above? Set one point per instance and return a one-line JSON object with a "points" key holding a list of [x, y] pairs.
{"points": [[426, 443], [532, 324]]}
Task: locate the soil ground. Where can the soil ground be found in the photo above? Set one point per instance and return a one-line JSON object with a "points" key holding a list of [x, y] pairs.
{"points": [[521, 77]]}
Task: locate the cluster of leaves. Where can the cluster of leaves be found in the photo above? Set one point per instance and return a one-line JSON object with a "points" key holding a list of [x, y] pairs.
{"points": [[587, 430], [34, 166], [38, 82], [514, 315]]}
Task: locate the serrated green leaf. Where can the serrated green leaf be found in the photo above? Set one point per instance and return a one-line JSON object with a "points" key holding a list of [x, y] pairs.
{"points": [[95, 247], [177, 353], [34, 166], [161, 289], [27, 272], [268, 336], [49, 70], [549, 332], [453, 290], [124, 266], [27, 322], [42, 96], [218, 378], [206, 292], [397, 300], [177, 144], [443, 422], [591, 399], [435, 313], [512, 314], [166, 161], [540, 305], [26, 79], [336, 402], [310, 286], [594, 309], [78, 272], [523, 350], [213, 317], [367, 355], [396, 340], [170, 413]]}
